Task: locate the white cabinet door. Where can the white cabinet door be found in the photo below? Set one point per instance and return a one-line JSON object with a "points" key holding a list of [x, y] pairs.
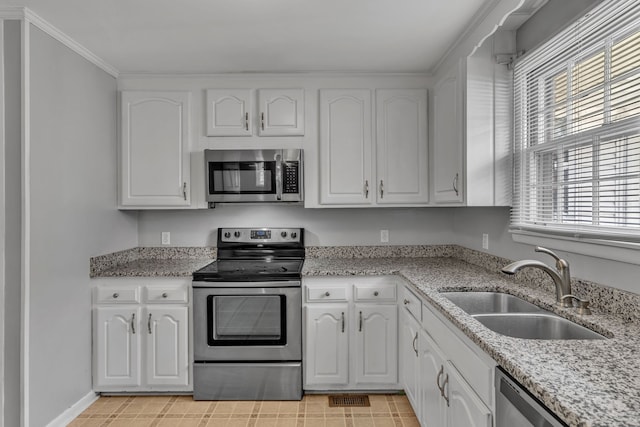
{"points": [[154, 149], [117, 347], [447, 140], [410, 360], [167, 346], [229, 112], [326, 347], [432, 365], [402, 150], [281, 112], [345, 147], [376, 343], [464, 407]]}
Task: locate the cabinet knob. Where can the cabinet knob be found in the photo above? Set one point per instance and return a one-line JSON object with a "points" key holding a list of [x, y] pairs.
{"points": [[164, 295], [326, 294], [376, 293], [406, 301], [116, 295]]}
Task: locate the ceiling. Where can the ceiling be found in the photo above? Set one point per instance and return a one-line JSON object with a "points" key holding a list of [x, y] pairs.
{"points": [[220, 36]]}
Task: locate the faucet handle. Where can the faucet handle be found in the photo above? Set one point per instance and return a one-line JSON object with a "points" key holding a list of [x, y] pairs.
{"points": [[583, 305]]}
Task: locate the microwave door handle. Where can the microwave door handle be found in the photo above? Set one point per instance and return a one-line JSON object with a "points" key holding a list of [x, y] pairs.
{"points": [[278, 177]]}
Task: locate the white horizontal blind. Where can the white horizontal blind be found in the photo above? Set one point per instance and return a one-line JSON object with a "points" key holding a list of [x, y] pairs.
{"points": [[577, 129]]}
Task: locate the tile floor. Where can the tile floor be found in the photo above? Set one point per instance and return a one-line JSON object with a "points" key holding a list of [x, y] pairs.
{"points": [[183, 411]]}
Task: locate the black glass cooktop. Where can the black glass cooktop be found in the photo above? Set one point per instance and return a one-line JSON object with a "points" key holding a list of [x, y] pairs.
{"points": [[249, 271]]}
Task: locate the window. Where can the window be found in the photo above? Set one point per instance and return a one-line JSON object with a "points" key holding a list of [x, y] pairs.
{"points": [[577, 129]]}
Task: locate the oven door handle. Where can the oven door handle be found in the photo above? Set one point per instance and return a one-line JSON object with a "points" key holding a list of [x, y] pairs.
{"points": [[234, 287]]}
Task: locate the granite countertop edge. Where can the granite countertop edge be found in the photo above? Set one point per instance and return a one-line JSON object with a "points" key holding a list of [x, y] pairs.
{"points": [[573, 378]]}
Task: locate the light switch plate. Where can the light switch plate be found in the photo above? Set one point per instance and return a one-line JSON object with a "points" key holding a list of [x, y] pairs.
{"points": [[384, 236], [166, 238]]}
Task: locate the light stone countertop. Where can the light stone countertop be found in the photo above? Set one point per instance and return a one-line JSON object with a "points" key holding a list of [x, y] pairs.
{"points": [[156, 268], [585, 382]]}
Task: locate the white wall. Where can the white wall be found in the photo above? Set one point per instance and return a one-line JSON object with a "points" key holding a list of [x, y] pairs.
{"points": [[73, 217], [324, 227], [12, 219]]}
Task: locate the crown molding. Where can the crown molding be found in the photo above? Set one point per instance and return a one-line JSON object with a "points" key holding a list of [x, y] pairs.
{"points": [[26, 14]]}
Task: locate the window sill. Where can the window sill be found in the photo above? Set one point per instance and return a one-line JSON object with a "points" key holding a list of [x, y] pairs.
{"points": [[606, 249]]}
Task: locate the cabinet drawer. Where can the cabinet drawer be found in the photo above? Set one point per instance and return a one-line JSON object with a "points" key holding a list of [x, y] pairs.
{"points": [[411, 302], [166, 294], [475, 371], [117, 295], [374, 292], [327, 293]]}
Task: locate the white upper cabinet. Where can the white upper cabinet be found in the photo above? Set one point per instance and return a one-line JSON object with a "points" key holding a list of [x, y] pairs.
{"points": [[345, 147], [357, 171], [401, 133], [229, 112], [233, 112], [447, 140], [281, 112], [154, 150]]}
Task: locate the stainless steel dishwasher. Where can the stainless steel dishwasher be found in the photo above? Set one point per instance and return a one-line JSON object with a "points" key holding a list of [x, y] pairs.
{"points": [[516, 407]]}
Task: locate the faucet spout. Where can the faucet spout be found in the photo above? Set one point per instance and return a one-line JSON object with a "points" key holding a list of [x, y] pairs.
{"points": [[561, 277]]}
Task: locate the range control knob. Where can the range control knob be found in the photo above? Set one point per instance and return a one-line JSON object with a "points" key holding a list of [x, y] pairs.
{"points": [[227, 234], [293, 234], [236, 234], [283, 234]]}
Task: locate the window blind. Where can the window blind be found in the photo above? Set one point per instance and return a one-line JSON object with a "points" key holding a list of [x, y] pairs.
{"points": [[577, 129]]}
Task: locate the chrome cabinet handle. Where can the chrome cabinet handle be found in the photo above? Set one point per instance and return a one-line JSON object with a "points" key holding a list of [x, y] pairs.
{"points": [[342, 319], [184, 190], [455, 184], [360, 327], [445, 394], [246, 121], [262, 120], [116, 295], [406, 301], [366, 189], [376, 293], [440, 372], [164, 295], [327, 294], [149, 323], [381, 189], [133, 323], [413, 344]]}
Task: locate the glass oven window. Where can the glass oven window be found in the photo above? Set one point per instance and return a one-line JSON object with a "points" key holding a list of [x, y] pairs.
{"points": [[242, 177], [240, 320]]}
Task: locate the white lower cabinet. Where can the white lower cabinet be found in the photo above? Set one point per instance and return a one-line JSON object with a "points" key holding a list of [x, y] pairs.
{"points": [[433, 356], [350, 333], [141, 344]]}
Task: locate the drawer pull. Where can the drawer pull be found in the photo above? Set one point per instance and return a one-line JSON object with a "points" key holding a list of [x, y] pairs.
{"points": [[413, 344], [440, 372], [376, 293], [406, 301], [133, 324], [164, 295], [342, 318], [326, 294], [116, 295], [149, 323], [360, 327]]}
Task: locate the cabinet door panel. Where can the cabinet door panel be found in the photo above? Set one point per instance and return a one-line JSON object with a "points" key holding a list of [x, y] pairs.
{"points": [[167, 346], [326, 355], [345, 147], [281, 112], [376, 343], [448, 138], [229, 112], [117, 347], [154, 163], [432, 365], [465, 408], [402, 150], [409, 358]]}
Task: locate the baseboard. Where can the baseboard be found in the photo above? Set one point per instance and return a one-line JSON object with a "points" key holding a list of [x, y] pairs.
{"points": [[76, 409]]}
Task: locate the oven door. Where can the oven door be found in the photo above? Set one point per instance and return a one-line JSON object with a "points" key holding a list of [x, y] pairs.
{"points": [[248, 323]]}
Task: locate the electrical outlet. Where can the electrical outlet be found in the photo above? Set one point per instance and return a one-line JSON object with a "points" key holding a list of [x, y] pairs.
{"points": [[485, 241], [166, 238], [384, 236]]}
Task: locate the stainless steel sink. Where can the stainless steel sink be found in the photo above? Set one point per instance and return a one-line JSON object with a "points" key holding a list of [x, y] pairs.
{"points": [[490, 302], [515, 317], [536, 326]]}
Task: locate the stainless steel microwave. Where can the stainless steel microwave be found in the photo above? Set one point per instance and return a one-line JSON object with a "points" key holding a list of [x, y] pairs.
{"points": [[254, 176]]}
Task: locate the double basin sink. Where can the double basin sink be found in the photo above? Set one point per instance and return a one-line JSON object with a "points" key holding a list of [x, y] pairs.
{"points": [[512, 316]]}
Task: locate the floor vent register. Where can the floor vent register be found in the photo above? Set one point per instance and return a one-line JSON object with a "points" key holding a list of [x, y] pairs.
{"points": [[349, 400]]}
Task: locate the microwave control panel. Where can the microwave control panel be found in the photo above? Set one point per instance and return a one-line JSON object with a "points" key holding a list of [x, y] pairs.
{"points": [[290, 179]]}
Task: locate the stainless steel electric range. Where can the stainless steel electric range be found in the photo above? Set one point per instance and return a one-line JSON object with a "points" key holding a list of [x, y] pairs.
{"points": [[247, 309]]}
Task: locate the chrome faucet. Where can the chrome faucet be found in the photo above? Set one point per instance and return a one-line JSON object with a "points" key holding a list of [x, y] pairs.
{"points": [[561, 277]]}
